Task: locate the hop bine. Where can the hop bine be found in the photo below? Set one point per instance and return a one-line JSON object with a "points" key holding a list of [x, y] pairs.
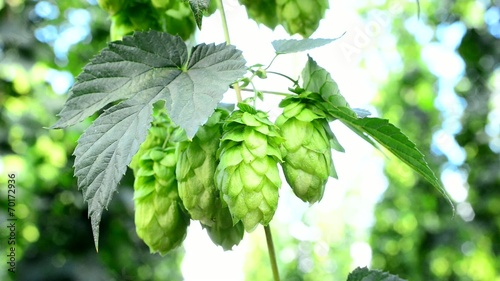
{"points": [[307, 148], [247, 173], [159, 218]]}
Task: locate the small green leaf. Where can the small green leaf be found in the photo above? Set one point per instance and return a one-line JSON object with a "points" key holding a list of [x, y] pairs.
{"points": [[199, 7], [289, 46], [365, 274], [318, 80]]}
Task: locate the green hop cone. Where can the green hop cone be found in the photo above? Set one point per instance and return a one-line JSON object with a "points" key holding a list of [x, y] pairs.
{"points": [[222, 232], [299, 16], [159, 218], [196, 168], [308, 159], [262, 11], [247, 174]]}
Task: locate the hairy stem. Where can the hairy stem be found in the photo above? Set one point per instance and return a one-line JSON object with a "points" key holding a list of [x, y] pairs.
{"points": [[220, 6], [272, 254]]}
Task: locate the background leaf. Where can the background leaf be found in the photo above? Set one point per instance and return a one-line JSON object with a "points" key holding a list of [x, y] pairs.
{"points": [[294, 46], [365, 274], [199, 7]]}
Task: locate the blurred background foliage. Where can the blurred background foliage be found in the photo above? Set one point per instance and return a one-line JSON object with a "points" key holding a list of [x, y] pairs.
{"points": [[452, 112]]}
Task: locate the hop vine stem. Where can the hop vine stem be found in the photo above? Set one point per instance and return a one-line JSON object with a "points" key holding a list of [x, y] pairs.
{"points": [[220, 6], [236, 87]]}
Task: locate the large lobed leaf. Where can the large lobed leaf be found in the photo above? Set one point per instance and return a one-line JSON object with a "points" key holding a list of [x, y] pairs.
{"points": [[317, 79], [135, 73]]}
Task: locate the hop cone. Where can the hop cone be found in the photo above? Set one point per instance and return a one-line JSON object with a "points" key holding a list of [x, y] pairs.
{"points": [[308, 160], [299, 16], [262, 11], [247, 174], [223, 232], [196, 168], [160, 221]]}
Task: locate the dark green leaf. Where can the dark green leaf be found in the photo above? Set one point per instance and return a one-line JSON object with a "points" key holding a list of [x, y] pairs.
{"points": [[294, 46], [138, 71], [154, 58], [365, 274], [199, 7]]}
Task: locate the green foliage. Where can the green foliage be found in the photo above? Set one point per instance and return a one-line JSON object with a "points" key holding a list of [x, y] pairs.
{"points": [[107, 147], [130, 76], [200, 8], [364, 274]]}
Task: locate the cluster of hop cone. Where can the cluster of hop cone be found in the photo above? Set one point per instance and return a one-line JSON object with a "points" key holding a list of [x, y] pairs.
{"points": [[227, 177]]}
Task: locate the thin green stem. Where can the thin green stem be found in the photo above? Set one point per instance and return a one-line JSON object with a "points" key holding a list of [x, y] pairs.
{"points": [[275, 56], [295, 82], [220, 6], [272, 254], [268, 92]]}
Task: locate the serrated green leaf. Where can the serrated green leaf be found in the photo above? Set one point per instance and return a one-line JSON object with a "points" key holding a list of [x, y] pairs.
{"points": [[199, 7], [390, 137], [138, 71], [289, 46], [107, 147], [154, 58], [365, 274]]}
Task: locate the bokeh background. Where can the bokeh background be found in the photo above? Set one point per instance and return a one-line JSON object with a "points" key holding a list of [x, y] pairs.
{"points": [[436, 76]]}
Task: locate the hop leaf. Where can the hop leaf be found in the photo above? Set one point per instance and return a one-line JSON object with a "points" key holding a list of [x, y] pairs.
{"points": [[247, 174], [301, 17]]}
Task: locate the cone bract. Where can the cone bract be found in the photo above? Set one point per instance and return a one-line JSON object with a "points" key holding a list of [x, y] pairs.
{"points": [[308, 160], [247, 174], [222, 232]]}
